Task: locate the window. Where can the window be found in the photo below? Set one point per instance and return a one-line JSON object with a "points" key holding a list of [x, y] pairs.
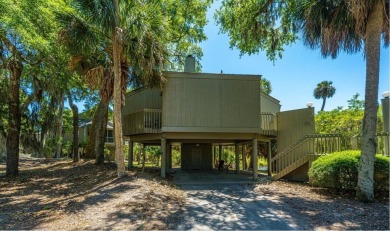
{"points": [[109, 136]]}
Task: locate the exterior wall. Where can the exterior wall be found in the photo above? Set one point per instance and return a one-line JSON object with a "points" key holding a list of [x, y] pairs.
{"points": [[206, 161], [83, 135], [142, 98], [294, 125], [211, 103], [269, 104], [299, 174]]}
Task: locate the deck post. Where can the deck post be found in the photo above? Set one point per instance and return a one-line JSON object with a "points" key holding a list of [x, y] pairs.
{"points": [[243, 157], [237, 158], [131, 156], [269, 159], [254, 158], [163, 157]]}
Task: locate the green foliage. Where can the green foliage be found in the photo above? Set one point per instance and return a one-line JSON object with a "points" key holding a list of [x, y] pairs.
{"points": [[347, 122], [262, 161], [229, 155], [50, 145], [153, 154], [176, 156], [255, 25], [356, 104], [265, 86], [108, 155], [340, 171]]}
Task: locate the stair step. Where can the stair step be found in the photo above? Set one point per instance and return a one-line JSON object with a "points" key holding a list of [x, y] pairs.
{"points": [[291, 167]]}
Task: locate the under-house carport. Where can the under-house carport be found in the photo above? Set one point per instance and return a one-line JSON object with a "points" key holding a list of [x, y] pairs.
{"points": [[203, 152]]}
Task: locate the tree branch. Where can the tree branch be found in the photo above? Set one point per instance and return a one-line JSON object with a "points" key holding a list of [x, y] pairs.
{"points": [[264, 8]]}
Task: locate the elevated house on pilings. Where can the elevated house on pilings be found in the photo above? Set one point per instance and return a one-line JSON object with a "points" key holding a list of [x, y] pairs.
{"points": [[199, 111]]}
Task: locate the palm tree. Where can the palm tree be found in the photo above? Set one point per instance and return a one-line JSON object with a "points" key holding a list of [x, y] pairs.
{"points": [[350, 26], [265, 86], [131, 43], [324, 90]]}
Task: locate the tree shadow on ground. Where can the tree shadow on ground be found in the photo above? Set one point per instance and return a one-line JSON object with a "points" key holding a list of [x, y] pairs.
{"points": [[243, 207], [45, 191]]}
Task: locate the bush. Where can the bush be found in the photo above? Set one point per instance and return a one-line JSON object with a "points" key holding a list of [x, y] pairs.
{"points": [[339, 170]]}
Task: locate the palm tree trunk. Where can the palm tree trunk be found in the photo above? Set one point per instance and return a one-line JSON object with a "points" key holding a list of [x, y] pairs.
{"points": [[75, 111], [14, 118], [116, 40], [365, 186], [323, 104], [100, 132]]}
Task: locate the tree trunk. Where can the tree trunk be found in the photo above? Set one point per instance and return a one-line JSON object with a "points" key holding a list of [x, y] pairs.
{"points": [[323, 104], [96, 138], [101, 135], [59, 127], [75, 147], [116, 40], [14, 118], [365, 186]]}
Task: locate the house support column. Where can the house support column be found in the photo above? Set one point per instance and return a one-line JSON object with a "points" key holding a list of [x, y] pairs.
{"points": [[269, 159], [254, 159], [163, 157], [215, 153], [237, 158], [243, 157], [131, 156]]}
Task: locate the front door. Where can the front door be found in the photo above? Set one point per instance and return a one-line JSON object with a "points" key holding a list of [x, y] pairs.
{"points": [[196, 158]]}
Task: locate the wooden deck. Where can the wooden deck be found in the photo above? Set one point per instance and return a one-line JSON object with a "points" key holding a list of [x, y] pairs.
{"points": [[149, 121]]}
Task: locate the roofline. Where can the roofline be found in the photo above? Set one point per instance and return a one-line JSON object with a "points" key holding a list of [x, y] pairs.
{"points": [[270, 97], [170, 74]]}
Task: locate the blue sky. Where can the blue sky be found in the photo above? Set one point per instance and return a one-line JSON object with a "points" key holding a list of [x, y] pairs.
{"points": [[295, 76]]}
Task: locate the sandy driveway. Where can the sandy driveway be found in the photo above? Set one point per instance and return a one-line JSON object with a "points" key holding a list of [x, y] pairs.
{"points": [[236, 207]]}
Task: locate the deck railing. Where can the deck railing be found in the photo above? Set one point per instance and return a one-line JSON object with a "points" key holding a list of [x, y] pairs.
{"points": [[143, 121], [268, 124], [307, 148], [382, 143]]}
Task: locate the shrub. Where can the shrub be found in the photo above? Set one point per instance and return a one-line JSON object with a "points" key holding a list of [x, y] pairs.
{"points": [[339, 170]]}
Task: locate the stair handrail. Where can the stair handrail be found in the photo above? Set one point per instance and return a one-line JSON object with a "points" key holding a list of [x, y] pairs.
{"points": [[299, 142]]}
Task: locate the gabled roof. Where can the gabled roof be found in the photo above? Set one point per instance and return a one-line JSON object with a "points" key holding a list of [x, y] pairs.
{"points": [[85, 123]]}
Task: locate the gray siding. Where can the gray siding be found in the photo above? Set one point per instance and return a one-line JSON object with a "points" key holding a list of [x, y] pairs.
{"points": [[206, 161], [294, 125], [269, 104], [142, 98], [211, 103]]}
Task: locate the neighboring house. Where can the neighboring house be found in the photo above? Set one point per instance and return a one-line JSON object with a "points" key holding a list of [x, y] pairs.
{"points": [[84, 130], [199, 111]]}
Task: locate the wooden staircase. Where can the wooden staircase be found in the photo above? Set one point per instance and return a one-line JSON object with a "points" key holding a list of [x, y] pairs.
{"points": [[305, 150]]}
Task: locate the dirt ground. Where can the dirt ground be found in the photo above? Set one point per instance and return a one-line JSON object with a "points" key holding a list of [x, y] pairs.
{"points": [[326, 209], [59, 194]]}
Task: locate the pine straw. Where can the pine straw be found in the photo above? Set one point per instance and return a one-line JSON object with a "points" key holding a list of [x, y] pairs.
{"points": [[64, 195], [327, 209]]}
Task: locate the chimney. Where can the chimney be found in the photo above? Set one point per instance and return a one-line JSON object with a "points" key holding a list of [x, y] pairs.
{"points": [[189, 65]]}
